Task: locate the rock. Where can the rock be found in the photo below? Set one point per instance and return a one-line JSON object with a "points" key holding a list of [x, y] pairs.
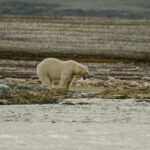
{"points": [[117, 96], [146, 78], [97, 82], [112, 79], [34, 77], [131, 83], [143, 96], [88, 82], [3, 102], [4, 90], [146, 85], [16, 80], [112, 82], [82, 82], [143, 100], [1, 77], [3, 81]]}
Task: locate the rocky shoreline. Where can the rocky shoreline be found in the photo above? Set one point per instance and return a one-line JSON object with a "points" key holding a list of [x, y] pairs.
{"points": [[29, 91], [110, 80]]}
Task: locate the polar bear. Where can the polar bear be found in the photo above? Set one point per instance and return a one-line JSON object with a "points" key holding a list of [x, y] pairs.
{"points": [[52, 69]]}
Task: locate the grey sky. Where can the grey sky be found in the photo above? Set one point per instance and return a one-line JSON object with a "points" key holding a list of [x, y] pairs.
{"points": [[101, 8]]}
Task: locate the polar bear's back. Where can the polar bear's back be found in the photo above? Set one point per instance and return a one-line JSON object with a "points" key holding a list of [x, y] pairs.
{"points": [[51, 67], [51, 61]]}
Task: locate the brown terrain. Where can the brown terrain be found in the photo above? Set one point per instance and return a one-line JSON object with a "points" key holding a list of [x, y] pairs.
{"points": [[117, 53]]}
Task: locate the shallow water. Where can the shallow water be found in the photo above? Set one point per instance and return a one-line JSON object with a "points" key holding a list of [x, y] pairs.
{"points": [[76, 125]]}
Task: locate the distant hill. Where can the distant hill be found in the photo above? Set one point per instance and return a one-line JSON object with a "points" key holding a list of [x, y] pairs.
{"points": [[129, 9]]}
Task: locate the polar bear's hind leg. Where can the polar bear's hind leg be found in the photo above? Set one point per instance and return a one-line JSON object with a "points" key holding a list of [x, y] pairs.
{"points": [[46, 81]]}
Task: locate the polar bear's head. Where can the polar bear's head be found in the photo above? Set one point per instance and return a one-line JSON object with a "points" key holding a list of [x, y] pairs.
{"points": [[82, 70]]}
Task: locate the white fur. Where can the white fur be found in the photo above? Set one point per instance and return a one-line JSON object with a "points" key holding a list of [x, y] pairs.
{"points": [[52, 69]]}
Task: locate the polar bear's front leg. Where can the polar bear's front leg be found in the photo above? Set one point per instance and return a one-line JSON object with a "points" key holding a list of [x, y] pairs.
{"points": [[69, 82], [64, 79], [62, 82]]}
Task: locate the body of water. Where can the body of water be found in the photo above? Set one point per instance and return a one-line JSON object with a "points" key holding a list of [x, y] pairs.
{"points": [[76, 125]]}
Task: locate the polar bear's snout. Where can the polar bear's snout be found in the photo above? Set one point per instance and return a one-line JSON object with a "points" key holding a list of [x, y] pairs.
{"points": [[87, 76]]}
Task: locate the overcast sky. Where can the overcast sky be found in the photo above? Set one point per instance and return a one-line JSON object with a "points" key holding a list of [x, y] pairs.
{"points": [[102, 8]]}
